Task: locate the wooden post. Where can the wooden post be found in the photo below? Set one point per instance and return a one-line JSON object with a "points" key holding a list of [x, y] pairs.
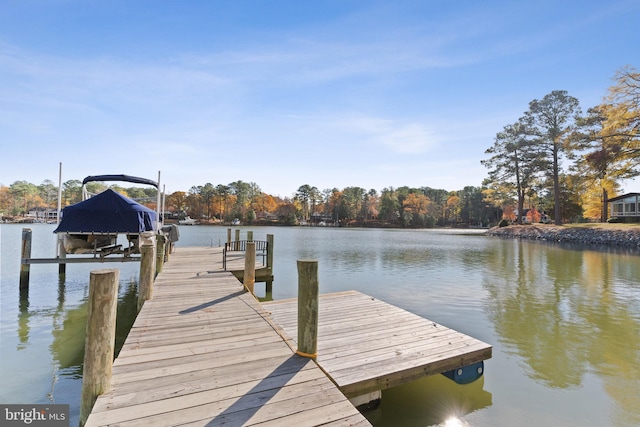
{"points": [[147, 268], [269, 250], [307, 308], [168, 246], [249, 275], [229, 236], [100, 338], [237, 240], [25, 254], [249, 236], [160, 252], [269, 285]]}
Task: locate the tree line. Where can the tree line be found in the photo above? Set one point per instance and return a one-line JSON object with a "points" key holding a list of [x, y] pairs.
{"points": [[403, 206], [553, 160]]}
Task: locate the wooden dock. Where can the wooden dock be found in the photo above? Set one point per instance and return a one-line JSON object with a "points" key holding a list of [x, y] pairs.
{"points": [[366, 345], [203, 353]]}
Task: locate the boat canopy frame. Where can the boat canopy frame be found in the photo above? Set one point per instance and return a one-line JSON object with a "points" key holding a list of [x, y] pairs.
{"points": [[126, 178]]}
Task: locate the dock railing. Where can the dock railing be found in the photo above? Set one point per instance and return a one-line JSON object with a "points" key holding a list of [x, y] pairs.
{"points": [[262, 249]]}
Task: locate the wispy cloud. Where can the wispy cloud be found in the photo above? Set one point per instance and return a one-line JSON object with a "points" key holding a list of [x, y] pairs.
{"points": [[399, 136]]}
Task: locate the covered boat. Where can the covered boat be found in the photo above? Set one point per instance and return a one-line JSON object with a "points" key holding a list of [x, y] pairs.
{"points": [[93, 224]]}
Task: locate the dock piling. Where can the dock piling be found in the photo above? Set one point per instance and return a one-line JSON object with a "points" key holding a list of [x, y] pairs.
{"points": [[269, 286], [269, 250], [100, 338], [25, 254], [249, 275], [147, 268], [308, 309], [160, 252]]}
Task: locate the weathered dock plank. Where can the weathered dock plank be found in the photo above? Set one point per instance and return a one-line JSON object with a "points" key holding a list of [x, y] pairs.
{"points": [[366, 345], [203, 352]]}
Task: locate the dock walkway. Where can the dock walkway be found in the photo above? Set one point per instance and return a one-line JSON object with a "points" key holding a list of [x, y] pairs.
{"points": [[202, 352]]}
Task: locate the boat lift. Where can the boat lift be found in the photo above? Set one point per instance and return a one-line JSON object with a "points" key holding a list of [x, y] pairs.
{"points": [[92, 226]]}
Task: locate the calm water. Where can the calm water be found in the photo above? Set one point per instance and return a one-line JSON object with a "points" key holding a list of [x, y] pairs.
{"points": [[564, 322]]}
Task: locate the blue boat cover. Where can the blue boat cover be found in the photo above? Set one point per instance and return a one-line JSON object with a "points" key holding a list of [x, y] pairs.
{"points": [[107, 212]]}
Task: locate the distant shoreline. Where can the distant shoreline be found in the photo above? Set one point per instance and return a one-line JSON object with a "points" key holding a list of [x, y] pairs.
{"points": [[600, 234]]}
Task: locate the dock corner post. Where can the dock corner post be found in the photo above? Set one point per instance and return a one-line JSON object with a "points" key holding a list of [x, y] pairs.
{"points": [[269, 251], [100, 338], [228, 235], [249, 236], [269, 286], [308, 308], [160, 252], [249, 275], [24, 256], [147, 268], [237, 240]]}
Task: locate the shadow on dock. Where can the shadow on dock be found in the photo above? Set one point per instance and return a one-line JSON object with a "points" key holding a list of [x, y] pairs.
{"points": [[211, 303], [243, 409]]}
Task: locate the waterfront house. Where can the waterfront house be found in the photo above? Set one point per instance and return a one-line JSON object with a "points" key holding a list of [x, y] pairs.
{"points": [[625, 207], [42, 214]]}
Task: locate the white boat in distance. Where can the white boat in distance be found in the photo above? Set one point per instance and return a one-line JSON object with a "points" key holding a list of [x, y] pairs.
{"points": [[188, 221]]}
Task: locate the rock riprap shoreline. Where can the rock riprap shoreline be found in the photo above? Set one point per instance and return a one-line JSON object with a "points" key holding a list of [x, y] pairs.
{"points": [[629, 237]]}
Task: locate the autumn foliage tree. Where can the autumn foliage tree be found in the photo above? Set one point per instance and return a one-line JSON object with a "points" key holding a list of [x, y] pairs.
{"points": [[177, 201], [514, 163], [609, 136], [549, 123], [623, 119]]}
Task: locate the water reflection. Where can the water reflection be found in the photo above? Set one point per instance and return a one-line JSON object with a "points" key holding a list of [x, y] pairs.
{"points": [[68, 332], [565, 315], [69, 327], [23, 319], [430, 401], [61, 291]]}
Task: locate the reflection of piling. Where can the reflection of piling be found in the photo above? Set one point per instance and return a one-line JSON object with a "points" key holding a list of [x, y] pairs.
{"points": [[100, 338], [249, 275], [25, 254], [62, 253], [61, 292], [23, 318], [308, 308], [147, 267]]}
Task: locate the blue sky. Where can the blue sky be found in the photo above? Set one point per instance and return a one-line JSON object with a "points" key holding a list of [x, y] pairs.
{"points": [[331, 93]]}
